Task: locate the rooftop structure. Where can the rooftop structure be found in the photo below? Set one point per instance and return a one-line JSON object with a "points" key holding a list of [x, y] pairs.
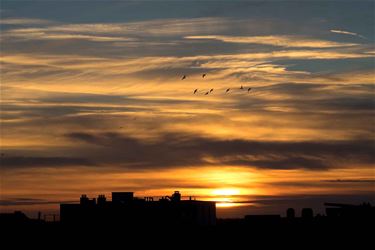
{"points": [[127, 210]]}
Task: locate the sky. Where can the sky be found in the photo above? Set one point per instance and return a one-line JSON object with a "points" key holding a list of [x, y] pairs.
{"points": [[93, 101]]}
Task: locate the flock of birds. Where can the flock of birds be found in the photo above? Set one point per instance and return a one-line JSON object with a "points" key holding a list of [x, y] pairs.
{"points": [[211, 90]]}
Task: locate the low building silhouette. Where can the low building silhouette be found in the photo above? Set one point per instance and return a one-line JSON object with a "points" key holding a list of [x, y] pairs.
{"points": [[122, 197], [349, 211], [14, 218], [290, 213], [127, 210], [307, 213]]}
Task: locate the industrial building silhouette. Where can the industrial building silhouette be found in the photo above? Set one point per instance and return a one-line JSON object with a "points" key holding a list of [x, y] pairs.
{"points": [[127, 210]]}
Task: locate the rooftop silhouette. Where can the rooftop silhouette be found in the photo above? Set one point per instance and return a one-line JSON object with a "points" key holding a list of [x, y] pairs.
{"points": [[128, 210]]}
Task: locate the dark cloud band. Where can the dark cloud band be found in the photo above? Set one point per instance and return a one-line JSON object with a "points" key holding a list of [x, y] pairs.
{"points": [[178, 150]]}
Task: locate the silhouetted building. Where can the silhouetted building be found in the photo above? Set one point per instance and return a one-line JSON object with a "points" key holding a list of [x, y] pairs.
{"points": [[127, 210], [101, 199], [13, 218], [84, 200], [176, 196], [263, 219], [347, 211], [290, 213], [307, 213], [122, 197]]}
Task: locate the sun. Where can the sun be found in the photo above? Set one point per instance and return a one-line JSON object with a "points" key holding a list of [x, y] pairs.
{"points": [[224, 197]]}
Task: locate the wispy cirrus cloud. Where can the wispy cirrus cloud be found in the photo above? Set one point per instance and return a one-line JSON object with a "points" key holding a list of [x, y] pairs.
{"points": [[25, 21], [113, 32], [288, 41], [189, 29], [46, 34], [344, 32], [96, 69]]}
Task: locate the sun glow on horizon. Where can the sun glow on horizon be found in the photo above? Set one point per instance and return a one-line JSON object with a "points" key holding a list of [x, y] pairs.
{"points": [[226, 192], [230, 204]]}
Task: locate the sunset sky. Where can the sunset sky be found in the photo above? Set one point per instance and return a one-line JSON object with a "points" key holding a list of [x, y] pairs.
{"points": [[92, 102]]}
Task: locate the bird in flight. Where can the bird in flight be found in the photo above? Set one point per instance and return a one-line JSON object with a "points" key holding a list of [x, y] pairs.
{"points": [[203, 75], [183, 77], [227, 91], [207, 93], [248, 90], [211, 90], [195, 91]]}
